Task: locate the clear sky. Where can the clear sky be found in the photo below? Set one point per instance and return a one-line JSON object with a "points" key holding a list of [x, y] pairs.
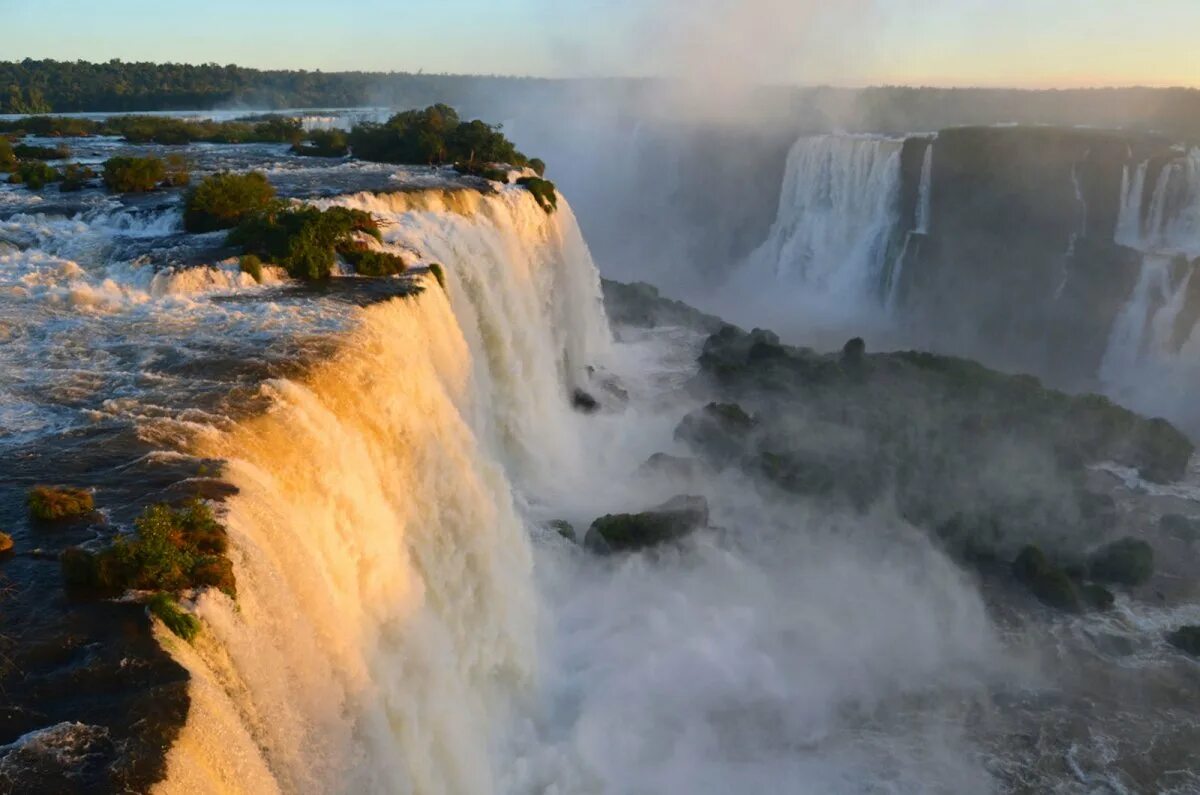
{"points": [[846, 42]]}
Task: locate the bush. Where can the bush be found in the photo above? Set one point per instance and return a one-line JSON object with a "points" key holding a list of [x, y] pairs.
{"points": [[27, 152], [303, 240], [53, 503], [48, 126], [174, 131], [179, 171], [133, 174], [324, 143], [543, 190], [74, 177], [173, 549], [252, 265], [433, 136], [369, 262], [538, 166], [182, 623], [224, 200], [438, 274], [34, 175], [8, 160]]}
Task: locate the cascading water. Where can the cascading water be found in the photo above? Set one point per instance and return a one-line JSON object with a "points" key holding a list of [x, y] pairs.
{"points": [[385, 613], [1153, 357]]}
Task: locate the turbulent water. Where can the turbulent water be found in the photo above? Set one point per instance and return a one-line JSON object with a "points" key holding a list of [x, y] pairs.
{"points": [[405, 621]]}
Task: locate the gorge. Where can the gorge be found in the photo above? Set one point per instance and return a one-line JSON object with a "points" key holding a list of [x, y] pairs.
{"points": [[413, 471]]}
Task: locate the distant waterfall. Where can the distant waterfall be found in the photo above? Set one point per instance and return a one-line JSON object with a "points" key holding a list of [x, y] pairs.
{"points": [[925, 190], [386, 610], [1153, 356], [833, 237]]}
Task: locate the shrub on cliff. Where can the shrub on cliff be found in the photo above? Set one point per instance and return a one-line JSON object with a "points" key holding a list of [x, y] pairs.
{"points": [[172, 549], [438, 274], [53, 503], [433, 136], [29, 152], [369, 262], [133, 174], [224, 200], [543, 190], [34, 175], [303, 240], [538, 166], [180, 622]]}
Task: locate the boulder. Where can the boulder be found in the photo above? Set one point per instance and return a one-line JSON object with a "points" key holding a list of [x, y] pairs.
{"points": [[670, 521], [1050, 584], [718, 432], [562, 527], [1129, 561], [1186, 639], [582, 401]]}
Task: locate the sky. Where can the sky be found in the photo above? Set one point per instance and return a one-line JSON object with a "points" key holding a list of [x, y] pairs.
{"points": [[1023, 43]]}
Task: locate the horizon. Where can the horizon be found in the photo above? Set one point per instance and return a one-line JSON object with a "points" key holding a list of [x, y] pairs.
{"points": [[968, 44]]}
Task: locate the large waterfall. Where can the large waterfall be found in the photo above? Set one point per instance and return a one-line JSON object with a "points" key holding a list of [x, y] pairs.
{"points": [[1153, 358], [385, 614]]}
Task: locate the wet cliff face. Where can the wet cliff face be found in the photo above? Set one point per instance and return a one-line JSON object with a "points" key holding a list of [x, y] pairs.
{"points": [[1020, 264]]}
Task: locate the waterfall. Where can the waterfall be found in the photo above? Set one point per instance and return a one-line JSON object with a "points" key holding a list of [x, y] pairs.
{"points": [[386, 613], [831, 240], [1153, 355], [925, 190]]}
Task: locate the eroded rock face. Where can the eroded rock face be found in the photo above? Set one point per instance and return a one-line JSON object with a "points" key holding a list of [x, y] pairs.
{"points": [[626, 532], [1186, 639], [1129, 561]]}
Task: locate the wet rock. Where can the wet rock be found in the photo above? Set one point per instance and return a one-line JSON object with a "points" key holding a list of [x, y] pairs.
{"points": [[1097, 597], [671, 466], [1186, 639], [584, 402], [1129, 561], [854, 351], [562, 527], [719, 432], [1185, 528], [670, 521], [1050, 584]]}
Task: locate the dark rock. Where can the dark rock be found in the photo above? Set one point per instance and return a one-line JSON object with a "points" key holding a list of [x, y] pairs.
{"points": [[1096, 596], [584, 402], [1185, 528], [1129, 561], [1186, 639], [719, 432], [671, 465], [562, 527], [639, 304], [854, 351], [1051, 585], [670, 521]]}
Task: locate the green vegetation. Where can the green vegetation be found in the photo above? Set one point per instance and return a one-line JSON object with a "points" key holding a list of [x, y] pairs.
{"points": [[55, 503], [182, 623], [173, 549], [51, 126], [303, 240], [225, 200], [538, 166], [543, 190], [252, 265], [28, 152], [433, 136], [34, 175], [133, 174], [8, 159], [324, 143], [438, 274], [370, 262], [171, 131], [1129, 561], [179, 171], [481, 170], [74, 177]]}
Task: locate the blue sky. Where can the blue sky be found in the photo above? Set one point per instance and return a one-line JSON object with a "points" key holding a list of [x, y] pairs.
{"points": [[846, 42]]}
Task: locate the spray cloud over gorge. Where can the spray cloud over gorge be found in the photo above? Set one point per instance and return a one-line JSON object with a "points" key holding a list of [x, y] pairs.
{"points": [[453, 494]]}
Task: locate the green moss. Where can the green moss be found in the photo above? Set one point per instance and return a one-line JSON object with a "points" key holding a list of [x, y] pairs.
{"points": [[54, 503], [176, 619], [543, 190], [133, 174], [1129, 561], [222, 201]]}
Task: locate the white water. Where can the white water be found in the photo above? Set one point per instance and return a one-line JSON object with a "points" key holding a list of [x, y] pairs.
{"points": [[925, 190], [1151, 363], [827, 251]]}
